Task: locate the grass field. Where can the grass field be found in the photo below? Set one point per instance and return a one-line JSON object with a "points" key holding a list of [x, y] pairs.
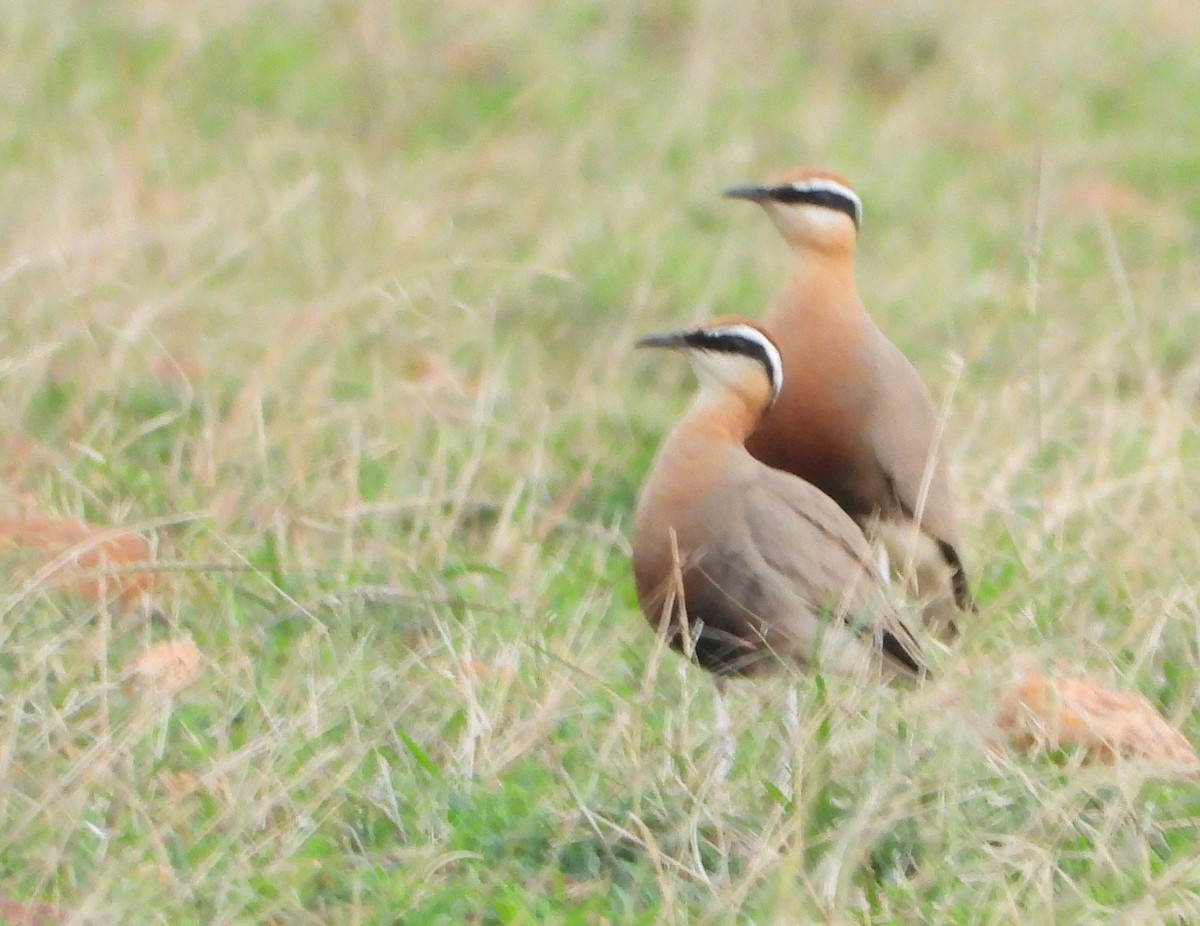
{"points": [[340, 298]]}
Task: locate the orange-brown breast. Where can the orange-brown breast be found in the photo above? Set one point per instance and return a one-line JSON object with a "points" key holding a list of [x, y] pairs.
{"points": [[816, 429], [685, 501]]}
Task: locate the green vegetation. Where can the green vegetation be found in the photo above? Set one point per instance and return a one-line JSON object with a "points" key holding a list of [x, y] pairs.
{"points": [[346, 292]]}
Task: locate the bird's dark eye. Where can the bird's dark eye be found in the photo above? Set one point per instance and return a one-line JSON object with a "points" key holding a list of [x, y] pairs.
{"points": [[789, 194]]}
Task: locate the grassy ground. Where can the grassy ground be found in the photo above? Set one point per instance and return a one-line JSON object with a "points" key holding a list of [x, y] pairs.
{"points": [[344, 293]]}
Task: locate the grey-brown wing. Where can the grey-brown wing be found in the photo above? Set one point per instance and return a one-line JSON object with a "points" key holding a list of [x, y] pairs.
{"points": [[814, 550], [903, 431]]}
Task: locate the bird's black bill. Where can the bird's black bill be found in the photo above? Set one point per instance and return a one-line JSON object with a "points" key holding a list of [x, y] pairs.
{"points": [[672, 340], [755, 194]]}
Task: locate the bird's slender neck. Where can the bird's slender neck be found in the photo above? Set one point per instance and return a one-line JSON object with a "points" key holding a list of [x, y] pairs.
{"points": [[721, 415], [824, 275]]}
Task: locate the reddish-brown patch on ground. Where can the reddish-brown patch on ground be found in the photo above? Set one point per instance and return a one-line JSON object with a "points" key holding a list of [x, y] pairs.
{"points": [[1039, 712], [81, 559], [164, 669]]}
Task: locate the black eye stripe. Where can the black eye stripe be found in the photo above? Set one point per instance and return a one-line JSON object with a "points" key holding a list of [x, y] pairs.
{"points": [[830, 199], [726, 343]]}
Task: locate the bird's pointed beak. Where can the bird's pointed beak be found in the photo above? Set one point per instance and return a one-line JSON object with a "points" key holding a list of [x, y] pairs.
{"points": [[672, 340], [753, 192]]}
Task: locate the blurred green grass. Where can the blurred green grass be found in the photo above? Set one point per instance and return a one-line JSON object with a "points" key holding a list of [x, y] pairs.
{"points": [[349, 289]]}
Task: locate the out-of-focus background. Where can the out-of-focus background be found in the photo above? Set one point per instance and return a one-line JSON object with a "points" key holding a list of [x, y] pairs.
{"points": [[335, 301]]}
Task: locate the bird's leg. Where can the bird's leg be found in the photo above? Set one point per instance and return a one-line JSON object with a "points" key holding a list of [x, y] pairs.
{"points": [[791, 729], [882, 561], [726, 744]]}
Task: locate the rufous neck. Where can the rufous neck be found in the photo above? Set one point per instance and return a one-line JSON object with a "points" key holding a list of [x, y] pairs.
{"points": [[821, 269], [721, 415], [820, 283]]}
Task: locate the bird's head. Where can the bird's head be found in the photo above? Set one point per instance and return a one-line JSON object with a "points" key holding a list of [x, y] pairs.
{"points": [[811, 208], [729, 355]]}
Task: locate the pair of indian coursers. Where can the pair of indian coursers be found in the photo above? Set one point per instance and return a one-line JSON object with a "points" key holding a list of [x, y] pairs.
{"points": [[807, 469]]}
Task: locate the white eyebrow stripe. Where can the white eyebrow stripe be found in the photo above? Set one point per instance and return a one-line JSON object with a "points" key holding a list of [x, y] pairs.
{"points": [[825, 185], [775, 362]]}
